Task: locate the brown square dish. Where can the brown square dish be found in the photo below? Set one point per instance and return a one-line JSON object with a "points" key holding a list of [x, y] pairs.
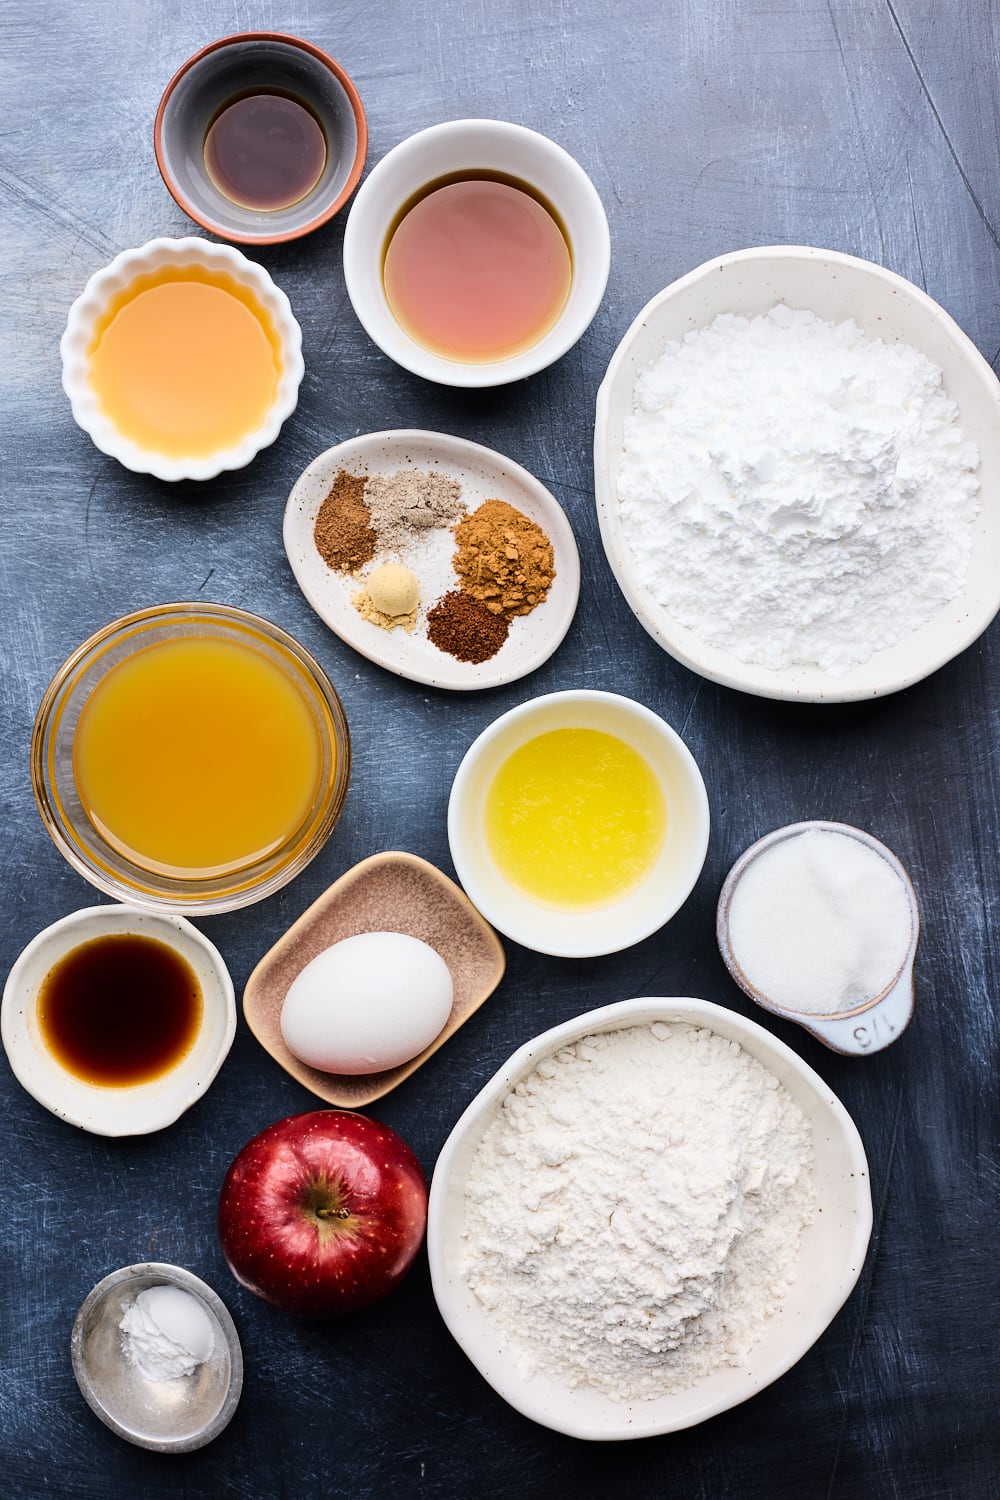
{"points": [[387, 892]]}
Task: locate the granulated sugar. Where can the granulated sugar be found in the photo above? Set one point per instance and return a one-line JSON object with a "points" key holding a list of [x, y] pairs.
{"points": [[819, 922]]}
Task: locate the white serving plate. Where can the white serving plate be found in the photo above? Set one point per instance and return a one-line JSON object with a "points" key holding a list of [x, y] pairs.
{"points": [[483, 475], [831, 1256], [885, 306]]}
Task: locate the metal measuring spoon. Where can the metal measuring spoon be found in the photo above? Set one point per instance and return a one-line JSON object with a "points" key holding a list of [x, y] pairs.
{"points": [[867, 1027]]}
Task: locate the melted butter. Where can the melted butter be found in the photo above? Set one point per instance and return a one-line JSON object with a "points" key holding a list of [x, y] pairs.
{"points": [[575, 818]]}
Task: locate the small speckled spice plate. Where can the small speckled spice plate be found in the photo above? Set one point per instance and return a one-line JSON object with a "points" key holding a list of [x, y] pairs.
{"points": [[483, 475], [391, 892]]}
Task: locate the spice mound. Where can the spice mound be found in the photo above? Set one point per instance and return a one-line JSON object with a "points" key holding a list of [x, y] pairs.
{"points": [[465, 628], [792, 491], [345, 538], [503, 558], [390, 597], [411, 501], [660, 1179]]}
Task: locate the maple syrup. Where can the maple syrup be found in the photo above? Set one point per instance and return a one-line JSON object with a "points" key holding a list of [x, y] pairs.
{"points": [[120, 1010], [265, 151], [477, 267]]}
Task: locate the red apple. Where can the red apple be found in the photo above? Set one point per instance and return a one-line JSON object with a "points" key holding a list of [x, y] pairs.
{"points": [[323, 1213]]}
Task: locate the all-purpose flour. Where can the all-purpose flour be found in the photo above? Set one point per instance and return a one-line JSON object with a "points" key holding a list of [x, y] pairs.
{"points": [[634, 1210], [795, 492]]}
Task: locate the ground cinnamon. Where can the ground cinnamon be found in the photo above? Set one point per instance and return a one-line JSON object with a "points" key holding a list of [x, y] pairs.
{"points": [[503, 559], [345, 537], [465, 628]]}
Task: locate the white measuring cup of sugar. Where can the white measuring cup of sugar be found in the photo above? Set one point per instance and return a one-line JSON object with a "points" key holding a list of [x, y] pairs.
{"points": [[867, 1027]]}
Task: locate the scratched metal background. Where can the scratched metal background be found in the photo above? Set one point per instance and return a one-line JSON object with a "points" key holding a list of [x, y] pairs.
{"points": [[870, 126]]}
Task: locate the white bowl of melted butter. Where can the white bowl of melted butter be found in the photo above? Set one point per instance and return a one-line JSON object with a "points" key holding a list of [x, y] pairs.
{"points": [[578, 823], [181, 359]]}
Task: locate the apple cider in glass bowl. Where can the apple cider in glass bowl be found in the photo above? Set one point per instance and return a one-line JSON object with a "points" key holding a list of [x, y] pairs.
{"points": [[190, 757]]}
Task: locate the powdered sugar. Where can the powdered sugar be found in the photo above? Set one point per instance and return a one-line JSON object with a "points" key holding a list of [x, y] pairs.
{"points": [[634, 1210], [795, 492]]}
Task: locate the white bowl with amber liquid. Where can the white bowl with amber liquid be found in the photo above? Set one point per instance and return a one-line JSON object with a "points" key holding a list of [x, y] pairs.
{"points": [[578, 823], [181, 359], [94, 1054], [525, 163]]}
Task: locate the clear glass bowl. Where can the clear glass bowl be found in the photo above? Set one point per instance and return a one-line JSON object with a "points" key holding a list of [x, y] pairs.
{"points": [[59, 802]]}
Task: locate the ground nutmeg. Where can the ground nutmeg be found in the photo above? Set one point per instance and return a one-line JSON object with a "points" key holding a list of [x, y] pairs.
{"points": [[344, 535], [465, 628]]}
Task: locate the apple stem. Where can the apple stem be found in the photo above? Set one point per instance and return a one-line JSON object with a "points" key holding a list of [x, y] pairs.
{"points": [[333, 1213]]}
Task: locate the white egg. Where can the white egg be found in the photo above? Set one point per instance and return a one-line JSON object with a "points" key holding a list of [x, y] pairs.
{"points": [[368, 1003]]}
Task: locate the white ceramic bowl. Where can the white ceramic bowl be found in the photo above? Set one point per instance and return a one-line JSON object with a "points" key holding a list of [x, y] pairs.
{"points": [[830, 1261], [835, 287], [121, 273], [468, 146], [140, 1108], [586, 932]]}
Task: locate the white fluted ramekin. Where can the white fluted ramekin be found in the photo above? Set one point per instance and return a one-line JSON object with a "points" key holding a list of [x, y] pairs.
{"points": [[114, 278]]}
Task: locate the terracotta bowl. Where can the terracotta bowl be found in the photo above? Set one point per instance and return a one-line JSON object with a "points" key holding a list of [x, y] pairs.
{"points": [[253, 62]]}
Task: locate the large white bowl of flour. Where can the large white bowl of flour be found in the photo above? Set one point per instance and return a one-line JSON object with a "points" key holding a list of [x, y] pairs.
{"points": [[912, 547], [731, 1217]]}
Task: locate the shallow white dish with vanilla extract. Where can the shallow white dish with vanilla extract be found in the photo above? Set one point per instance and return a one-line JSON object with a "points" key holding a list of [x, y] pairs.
{"points": [[117, 1110], [831, 1256], [85, 322], [835, 287], [483, 475]]}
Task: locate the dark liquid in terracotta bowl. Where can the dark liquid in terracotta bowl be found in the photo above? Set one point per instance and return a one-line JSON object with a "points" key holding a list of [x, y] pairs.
{"points": [[265, 151], [120, 1010]]}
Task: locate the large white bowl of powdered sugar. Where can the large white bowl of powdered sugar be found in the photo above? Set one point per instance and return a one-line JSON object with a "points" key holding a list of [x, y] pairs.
{"points": [[797, 469], [650, 1213]]}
